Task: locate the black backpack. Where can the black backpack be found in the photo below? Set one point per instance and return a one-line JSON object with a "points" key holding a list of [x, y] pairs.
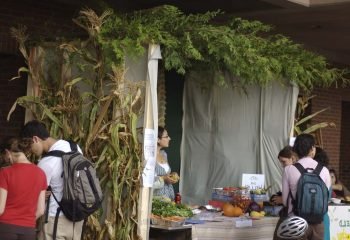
{"points": [[311, 202], [82, 194]]}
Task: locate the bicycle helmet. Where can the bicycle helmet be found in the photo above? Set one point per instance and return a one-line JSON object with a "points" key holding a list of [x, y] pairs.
{"points": [[292, 228]]}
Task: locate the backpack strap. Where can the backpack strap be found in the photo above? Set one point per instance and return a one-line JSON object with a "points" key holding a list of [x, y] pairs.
{"points": [[73, 146], [300, 167], [59, 153], [47, 206], [302, 170], [53, 153], [318, 169]]}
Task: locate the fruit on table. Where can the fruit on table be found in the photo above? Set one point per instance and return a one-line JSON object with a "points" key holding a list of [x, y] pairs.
{"points": [[174, 176], [257, 214], [232, 211], [254, 207]]}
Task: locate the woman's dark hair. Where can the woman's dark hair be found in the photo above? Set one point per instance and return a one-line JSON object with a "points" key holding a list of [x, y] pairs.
{"points": [[286, 152], [335, 175], [321, 156], [35, 128], [160, 131], [303, 144], [15, 144]]}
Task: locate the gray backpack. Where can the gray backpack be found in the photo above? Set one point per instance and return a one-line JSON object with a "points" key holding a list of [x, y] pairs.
{"points": [[82, 194]]}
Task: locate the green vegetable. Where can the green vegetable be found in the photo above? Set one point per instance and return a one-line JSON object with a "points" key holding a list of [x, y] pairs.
{"points": [[168, 209]]}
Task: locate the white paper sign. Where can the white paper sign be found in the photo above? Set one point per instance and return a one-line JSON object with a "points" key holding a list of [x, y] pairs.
{"points": [[149, 151], [339, 216], [253, 181]]}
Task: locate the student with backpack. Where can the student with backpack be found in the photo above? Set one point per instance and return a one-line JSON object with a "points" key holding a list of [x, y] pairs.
{"points": [[66, 212], [308, 183]]}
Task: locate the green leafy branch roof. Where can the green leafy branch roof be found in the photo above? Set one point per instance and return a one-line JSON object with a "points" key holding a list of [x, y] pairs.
{"points": [[243, 48]]}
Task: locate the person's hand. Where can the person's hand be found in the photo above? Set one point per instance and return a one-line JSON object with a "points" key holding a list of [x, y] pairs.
{"points": [[169, 179], [47, 194], [277, 199]]}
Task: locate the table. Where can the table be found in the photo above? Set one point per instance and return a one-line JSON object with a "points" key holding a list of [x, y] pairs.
{"points": [[262, 229], [158, 232]]}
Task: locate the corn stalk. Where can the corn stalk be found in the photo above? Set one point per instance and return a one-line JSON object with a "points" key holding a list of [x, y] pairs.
{"points": [[84, 99], [302, 122]]}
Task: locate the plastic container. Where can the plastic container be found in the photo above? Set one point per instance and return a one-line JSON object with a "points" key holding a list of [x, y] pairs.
{"points": [[178, 198], [168, 222], [272, 210]]}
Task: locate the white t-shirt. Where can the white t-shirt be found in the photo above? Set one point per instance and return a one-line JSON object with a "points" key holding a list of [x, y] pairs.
{"points": [[52, 166], [165, 166]]}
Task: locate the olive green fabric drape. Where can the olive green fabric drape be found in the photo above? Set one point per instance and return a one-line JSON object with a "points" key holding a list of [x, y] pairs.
{"points": [[227, 132]]}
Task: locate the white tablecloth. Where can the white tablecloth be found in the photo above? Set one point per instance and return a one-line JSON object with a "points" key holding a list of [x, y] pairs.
{"points": [[262, 229]]}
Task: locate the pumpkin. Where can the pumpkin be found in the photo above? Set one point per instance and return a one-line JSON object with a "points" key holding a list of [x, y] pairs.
{"points": [[232, 211]]}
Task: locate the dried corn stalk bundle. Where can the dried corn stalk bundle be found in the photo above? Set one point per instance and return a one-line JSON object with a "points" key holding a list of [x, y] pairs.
{"points": [[82, 98]]}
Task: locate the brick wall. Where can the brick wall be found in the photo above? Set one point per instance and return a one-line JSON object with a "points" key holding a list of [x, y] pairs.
{"points": [[332, 98], [345, 144], [48, 18], [9, 91], [44, 17]]}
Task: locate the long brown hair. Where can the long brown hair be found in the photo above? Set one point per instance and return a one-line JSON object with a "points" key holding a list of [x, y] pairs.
{"points": [[15, 144], [287, 152]]}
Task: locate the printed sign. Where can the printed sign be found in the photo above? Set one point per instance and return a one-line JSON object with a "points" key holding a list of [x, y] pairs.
{"points": [[253, 181], [339, 218], [149, 151]]}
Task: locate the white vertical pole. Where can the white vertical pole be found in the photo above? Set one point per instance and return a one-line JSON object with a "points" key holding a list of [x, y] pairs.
{"points": [[150, 142]]}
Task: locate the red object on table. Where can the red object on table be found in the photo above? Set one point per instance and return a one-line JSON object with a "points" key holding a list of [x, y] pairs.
{"points": [[216, 204], [178, 198]]}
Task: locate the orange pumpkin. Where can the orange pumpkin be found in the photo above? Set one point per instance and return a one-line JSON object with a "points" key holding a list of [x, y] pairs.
{"points": [[232, 211]]}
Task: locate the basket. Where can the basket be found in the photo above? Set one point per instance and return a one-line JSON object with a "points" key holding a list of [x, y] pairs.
{"points": [[173, 221], [242, 199]]}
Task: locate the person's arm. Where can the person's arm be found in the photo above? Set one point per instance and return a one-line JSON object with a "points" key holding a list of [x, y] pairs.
{"points": [[40, 209], [346, 192], [337, 187], [167, 179], [285, 187], [277, 199], [3, 199]]}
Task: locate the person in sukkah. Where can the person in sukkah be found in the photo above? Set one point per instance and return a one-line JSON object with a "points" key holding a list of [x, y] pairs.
{"points": [[286, 157], [164, 178], [339, 190]]}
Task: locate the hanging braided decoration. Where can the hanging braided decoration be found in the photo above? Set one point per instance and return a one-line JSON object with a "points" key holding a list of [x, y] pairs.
{"points": [[161, 97]]}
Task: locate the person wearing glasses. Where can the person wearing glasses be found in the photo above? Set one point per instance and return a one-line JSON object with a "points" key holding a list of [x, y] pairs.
{"points": [[164, 178]]}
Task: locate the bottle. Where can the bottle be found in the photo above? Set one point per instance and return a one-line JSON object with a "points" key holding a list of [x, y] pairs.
{"points": [[178, 198]]}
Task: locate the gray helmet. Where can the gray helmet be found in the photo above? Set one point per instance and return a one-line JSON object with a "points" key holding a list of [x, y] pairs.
{"points": [[292, 228]]}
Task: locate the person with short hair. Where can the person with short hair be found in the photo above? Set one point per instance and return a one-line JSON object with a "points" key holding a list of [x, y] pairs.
{"points": [[53, 168], [22, 192], [304, 147]]}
